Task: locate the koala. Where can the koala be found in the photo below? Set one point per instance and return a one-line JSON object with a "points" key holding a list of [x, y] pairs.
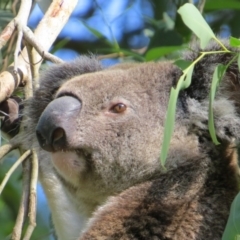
{"points": [[98, 133]]}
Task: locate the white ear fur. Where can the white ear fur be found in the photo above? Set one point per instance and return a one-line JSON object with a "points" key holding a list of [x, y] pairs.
{"points": [[226, 118]]}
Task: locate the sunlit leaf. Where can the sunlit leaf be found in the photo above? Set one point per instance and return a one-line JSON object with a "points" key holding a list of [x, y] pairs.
{"points": [[217, 77], [234, 42], [183, 83], [232, 230], [195, 21], [155, 53]]}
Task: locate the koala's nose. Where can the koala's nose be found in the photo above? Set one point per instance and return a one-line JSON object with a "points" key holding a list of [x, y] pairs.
{"points": [[57, 122]]}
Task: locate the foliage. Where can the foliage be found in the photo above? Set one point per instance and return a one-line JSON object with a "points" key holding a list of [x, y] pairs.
{"points": [[193, 19]]}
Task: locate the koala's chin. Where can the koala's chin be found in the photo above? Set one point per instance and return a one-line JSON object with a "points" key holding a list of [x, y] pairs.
{"points": [[70, 165]]}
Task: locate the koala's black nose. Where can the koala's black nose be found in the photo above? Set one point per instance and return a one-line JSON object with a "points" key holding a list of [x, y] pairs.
{"points": [[57, 122]]}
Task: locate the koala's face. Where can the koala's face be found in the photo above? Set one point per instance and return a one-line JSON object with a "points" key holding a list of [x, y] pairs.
{"points": [[107, 127]]}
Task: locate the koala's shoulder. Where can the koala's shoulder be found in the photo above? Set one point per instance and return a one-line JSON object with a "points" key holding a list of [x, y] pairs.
{"points": [[155, 209]]}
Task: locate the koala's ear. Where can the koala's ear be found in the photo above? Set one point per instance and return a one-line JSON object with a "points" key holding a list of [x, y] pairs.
{"points": [[204, 69], [230, 86], [226, 106], [53, 78]]}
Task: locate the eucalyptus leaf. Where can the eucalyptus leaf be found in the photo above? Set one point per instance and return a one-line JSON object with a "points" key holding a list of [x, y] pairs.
{"points": [[96, 33], [183, 83], [182, 64], [155, 53], [234, 42], [168, 20], [60, 44], [217, 77], [195, 21], [232, 230]]}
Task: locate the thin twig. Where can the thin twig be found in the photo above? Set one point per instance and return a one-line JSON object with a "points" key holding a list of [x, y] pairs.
{"points": [[33, 198], [5, 149], [22, 212], [6, 34], [21, 21], [111, 55], [14, 6], [9, 51], [30, 59], [12, 169], [48, 29], [201, 5], [18, 47], [30, 38]]}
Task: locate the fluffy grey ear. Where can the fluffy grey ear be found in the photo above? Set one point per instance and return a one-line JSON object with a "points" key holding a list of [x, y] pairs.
{"points": [[226, 106], [52, 79]]}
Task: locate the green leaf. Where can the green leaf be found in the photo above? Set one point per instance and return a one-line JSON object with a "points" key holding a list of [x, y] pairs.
{"points": [[60, 44], [155, 53], [234, 42], [217, 77], [182, 64], [168, 20], [96, 33], [194, 20], [232, 230], [183, 83]]}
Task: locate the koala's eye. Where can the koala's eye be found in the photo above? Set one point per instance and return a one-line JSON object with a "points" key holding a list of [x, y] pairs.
{"points": [[118, 108]]}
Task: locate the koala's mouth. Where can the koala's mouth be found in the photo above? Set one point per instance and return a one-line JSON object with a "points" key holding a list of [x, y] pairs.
{"points": [[71, 164], [86, 153]]}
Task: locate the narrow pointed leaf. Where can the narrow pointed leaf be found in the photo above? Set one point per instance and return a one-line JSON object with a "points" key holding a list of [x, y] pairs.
{"points": [[155, 53], [183, 83], [232, 230], [182, 64], [217, 77]]}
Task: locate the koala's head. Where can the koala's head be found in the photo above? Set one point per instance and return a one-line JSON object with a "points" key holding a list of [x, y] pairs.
{"points": [[104, 128]]}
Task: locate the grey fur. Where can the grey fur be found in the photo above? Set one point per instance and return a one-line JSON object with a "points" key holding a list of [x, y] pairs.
{"points": [[120, 191]]}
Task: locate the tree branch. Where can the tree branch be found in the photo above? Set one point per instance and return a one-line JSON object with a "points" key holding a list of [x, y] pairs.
{"points": [[12, 169], [201, 5], [30, 38], [47, 30], [6, 34], [5, 149], [21, 21], [22, 212], [32, 198]]}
